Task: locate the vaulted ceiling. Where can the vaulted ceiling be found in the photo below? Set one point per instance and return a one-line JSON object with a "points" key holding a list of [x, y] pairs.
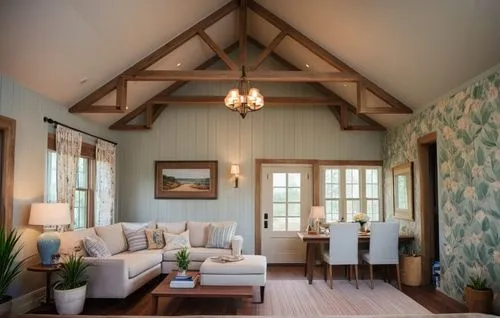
{"points": [[403, 54]]}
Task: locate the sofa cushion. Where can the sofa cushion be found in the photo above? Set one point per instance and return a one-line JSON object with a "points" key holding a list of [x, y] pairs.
{"points": [[72, 241], [95, 246], [113, 236], [172, 227], [137, 265], [198, 233], [155, 238], [136, 238], [220, 234], [176, 241], [197, 254]]}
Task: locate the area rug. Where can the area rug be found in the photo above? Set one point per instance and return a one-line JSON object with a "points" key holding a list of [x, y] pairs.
{"points": [[298, 298]]}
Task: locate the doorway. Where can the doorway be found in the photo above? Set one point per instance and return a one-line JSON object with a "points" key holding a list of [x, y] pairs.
{"points": [[286, 198], [427, 158]]}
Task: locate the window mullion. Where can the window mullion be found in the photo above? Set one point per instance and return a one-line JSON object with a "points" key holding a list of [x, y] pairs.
{"points": [[362, 192]]}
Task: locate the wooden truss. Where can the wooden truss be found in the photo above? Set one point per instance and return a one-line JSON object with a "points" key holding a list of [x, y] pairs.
{"points": [[153, 107]]}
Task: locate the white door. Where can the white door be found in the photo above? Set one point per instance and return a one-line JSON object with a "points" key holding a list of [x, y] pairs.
{"points": [[286, 200]]}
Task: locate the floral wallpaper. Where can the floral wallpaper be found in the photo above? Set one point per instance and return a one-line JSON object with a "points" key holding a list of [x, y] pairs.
{"points": [[468, 127]]}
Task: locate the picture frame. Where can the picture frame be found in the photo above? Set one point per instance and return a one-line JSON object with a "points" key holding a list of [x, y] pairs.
{"points": [[402, 180], [186, 180]]}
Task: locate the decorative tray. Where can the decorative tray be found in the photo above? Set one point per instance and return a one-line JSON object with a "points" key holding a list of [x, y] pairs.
{"points": [[227, 258]]}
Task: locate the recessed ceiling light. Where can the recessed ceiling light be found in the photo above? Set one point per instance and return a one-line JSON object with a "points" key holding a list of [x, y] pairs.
{"points": [[83, 80], [345, 85], [179, 65], [307, 65]]}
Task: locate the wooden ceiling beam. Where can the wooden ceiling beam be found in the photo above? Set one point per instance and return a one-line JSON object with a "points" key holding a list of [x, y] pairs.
{"points": [[324, 54], [269, 100], [216, 48], [261, 76], [243, 17], [102, 109], [122, 123], [154, 57], [265, 53]]}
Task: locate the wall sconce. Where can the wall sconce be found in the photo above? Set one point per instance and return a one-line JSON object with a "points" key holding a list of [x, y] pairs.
{"points": [[235, 171]]}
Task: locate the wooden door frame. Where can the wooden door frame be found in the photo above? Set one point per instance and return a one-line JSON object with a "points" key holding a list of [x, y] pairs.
{"points": [[426, 227], [315, 177], [8, 128]]}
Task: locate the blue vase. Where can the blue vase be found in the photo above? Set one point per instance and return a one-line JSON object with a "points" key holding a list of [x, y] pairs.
{"points": [[48, 244]]}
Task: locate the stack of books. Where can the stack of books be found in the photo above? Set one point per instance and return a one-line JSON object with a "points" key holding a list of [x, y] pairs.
{"points": [[188, 281]]}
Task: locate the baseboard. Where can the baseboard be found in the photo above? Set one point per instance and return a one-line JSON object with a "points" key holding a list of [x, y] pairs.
{"points": [[27, 302]]}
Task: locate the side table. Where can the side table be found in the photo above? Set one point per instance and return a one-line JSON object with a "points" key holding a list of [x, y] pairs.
{"points": [[48, 270]]}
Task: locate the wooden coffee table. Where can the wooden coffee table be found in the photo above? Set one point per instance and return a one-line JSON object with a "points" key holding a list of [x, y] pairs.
{"points": [[164, 290]]}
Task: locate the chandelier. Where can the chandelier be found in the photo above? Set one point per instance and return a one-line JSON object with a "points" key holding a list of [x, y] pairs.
{"points": [[244, 99]]}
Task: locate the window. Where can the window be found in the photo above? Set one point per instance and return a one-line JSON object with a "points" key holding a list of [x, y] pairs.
{"points": [[348, 190], [286, 201], [83, 193]]}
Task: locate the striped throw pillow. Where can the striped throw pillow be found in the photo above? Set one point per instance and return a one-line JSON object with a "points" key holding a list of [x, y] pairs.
{"points": [[136, 238], [220, 235], [96, 247]]}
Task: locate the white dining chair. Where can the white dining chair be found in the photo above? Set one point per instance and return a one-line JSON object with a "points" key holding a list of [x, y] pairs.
{"points": [[384, 240], [343, 248]]}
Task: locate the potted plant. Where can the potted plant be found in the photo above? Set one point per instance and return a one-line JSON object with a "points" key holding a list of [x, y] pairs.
{"points": [[9, 267], [478, 296], [70, 290], [183, 261], [361, 218], [410, 265]]}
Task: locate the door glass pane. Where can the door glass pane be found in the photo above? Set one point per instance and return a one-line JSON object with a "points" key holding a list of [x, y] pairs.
{"points": [[279, 179], [372, 209], [293, 194], [352, 207], [279, 195], [279, 209], [294, 224], [332, 210], [294, 179], [279, 224], [294, 209]]}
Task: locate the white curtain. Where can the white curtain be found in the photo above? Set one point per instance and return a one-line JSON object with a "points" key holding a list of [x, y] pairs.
{"points": [[68, 148], [105, 156]]}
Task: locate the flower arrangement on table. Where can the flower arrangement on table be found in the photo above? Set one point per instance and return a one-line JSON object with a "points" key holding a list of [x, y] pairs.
{"points": [[361, 218]]}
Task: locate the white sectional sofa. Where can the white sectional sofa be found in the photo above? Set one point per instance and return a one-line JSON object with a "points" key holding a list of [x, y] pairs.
{"points": [[120, 274]]}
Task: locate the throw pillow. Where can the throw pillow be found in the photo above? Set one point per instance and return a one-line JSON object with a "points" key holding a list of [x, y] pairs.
{"points": [[176, 241], [220, 234], [136, 238], [96, 247], [155, 238]]}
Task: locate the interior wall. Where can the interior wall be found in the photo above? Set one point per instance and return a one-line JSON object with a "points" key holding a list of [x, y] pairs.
{"points": [[28, 109], [468, 147], [202, 132]]}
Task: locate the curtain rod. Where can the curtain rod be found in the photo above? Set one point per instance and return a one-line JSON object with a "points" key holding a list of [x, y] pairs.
{"points": [[51, 121]]}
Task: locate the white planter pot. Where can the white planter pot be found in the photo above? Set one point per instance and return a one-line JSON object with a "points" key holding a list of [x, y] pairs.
{"points": [[71, 301], [5, 309]]}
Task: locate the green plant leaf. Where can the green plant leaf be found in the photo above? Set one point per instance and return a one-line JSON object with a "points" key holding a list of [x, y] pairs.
{"points": [[464, 136], [486, 224], [492, 272], [482, 190], [459, 162], [477, 92], [480, 156], [483, 255], [485, 114]]}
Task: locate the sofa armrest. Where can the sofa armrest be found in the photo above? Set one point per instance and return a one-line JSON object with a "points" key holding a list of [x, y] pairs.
{"points": [[236, 244], [106, 277]]}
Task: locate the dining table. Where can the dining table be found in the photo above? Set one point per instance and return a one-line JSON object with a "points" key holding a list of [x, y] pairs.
{"points": [[313, 241]]}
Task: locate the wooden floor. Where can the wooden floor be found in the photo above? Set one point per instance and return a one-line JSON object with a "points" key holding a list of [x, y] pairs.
{"points": [[139, 303]]}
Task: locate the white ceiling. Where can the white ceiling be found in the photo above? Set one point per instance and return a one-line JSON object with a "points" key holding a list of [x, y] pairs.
{"points": [[415, 50]]}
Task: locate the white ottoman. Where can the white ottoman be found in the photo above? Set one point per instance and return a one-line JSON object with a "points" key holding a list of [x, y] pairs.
{"points": [[251, 271]]}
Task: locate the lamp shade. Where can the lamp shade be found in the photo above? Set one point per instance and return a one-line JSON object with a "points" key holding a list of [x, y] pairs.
{"points": [[235, 169], [317, 212], [49, 214]]}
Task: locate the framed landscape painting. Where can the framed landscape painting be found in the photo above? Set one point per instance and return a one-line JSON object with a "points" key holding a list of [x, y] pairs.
{"points": [[185, 179]]}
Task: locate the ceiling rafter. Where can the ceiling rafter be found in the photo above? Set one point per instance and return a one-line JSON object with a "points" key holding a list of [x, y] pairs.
{"points": [[153, 108], [270, 100], [329, 58]]}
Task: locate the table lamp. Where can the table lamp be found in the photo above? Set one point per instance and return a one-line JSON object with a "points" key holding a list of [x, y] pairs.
{"points": [[317, 212], [49, 214]]}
